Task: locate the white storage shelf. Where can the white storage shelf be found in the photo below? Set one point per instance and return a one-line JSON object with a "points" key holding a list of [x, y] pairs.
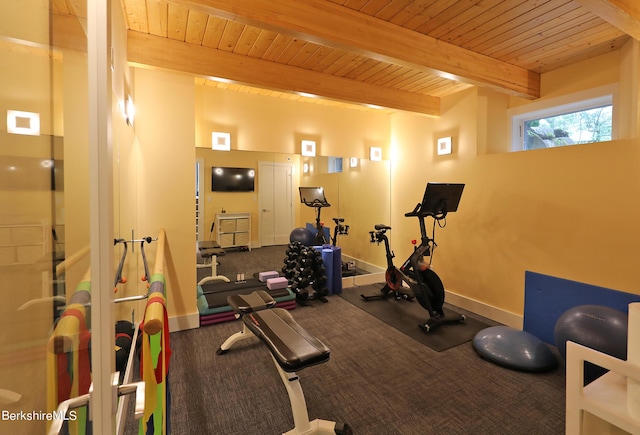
{"points": [[233, 230]]}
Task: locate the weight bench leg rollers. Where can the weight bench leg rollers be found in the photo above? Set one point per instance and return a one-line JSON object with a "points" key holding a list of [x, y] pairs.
{"points": [[211, 255], [245, 304], [292, 348]]}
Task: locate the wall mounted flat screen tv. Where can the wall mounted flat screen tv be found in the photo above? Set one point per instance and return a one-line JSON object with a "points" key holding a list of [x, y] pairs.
{"points": [[225, 179]]}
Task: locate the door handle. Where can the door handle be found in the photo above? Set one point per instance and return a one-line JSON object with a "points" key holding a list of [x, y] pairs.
{"points": [[264, 210]]}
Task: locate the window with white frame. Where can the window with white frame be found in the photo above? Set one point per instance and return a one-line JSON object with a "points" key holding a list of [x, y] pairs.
{"points": [[335, 164], [585, 117]]}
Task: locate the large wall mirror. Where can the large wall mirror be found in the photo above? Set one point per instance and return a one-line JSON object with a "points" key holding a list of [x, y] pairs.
{"points": [[358, 191], [245, 201]]}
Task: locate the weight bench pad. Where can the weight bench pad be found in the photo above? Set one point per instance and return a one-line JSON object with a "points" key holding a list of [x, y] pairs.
{"points": [[256, 301], [210, 252], [208, 244], [292, 347]]}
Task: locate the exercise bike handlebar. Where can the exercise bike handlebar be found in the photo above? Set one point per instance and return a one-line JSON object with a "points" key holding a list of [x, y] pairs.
{"points": [[378, 235], [417, 213], [316, 203]]}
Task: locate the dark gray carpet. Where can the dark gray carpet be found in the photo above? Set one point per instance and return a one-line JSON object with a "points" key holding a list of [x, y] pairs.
{"points": [[378, 380], [251, 262], [405, 316]]}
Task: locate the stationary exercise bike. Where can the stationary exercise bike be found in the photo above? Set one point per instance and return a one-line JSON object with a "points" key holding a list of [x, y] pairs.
{"points": [[314, 197], [341, 229], [424, 284]]}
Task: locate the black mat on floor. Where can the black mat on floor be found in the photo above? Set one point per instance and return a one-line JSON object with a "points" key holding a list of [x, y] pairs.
{"points": [[406, 315], [216, 293], [221, 286]]}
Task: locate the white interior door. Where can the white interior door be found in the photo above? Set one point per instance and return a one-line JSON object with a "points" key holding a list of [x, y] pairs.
{"points": [[276, 202]]}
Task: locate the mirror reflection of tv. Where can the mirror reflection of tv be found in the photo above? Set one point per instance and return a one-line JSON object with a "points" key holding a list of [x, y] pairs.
{"points": [[227, 179]]}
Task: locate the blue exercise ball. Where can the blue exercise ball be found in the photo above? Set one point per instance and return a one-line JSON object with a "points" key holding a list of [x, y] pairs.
{"points": [[597, 327], [514, 349], [301, 235]]}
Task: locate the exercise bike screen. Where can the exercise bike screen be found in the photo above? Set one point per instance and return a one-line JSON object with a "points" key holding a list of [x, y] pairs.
{"points": [[312, 194], [441, 197]]}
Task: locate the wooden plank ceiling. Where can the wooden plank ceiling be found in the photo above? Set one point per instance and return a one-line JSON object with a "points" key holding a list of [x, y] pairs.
{"points": [[398, 54]]}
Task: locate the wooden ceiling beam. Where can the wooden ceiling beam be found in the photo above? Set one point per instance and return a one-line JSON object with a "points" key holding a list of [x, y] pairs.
{"points": [[330, 24], [623, 14], [149, 50], [69, 32]]}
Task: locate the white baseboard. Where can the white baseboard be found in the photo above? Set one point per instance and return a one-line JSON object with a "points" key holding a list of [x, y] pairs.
{"points": [[490, 312], [181, 323], [363, 265], [477, 307], [356, 280]]}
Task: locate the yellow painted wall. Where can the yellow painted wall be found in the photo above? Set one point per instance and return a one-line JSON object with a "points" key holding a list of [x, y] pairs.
{"points": [[171, 121], [319, 177], [164, 194], [76, 158], [364, 202], [359, 195], [534, 210], [127, 159], [569, 212], [263, 124]]}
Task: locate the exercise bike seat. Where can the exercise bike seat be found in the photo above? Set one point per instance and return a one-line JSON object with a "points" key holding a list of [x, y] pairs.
{"points": [[379, 227]]}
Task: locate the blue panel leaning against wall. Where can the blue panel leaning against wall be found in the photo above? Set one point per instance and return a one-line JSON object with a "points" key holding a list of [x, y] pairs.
{"points": [[546, 298]]}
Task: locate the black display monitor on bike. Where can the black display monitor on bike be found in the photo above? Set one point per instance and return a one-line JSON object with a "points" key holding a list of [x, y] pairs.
{"points": [[439, 199], [313, 197]]}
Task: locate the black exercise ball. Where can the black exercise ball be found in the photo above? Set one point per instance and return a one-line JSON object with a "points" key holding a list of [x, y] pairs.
{"points": [[301, 235]]}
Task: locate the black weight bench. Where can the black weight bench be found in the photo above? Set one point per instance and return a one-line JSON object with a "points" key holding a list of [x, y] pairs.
{"points": [[292, 349]]}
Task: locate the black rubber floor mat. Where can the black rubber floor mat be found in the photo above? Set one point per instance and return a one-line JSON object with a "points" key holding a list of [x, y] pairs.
{"points": [[405, 316]]}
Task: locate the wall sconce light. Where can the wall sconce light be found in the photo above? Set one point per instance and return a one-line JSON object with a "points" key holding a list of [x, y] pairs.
{"points": [[305, 168], [353, 162], [130, 110], [444, 146], [220, 141], [308, 148], [375, 154], [23, 123]]}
